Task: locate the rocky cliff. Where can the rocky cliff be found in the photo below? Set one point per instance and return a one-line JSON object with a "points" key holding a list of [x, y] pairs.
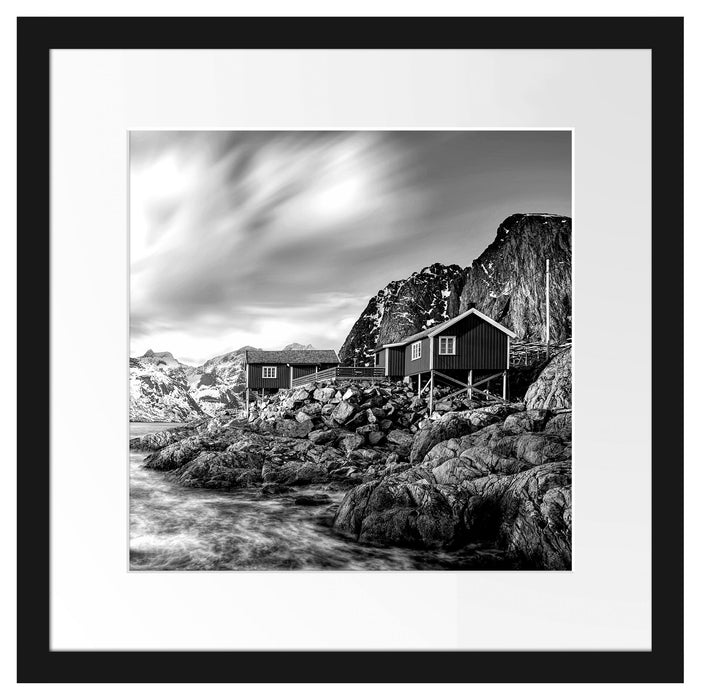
{"points": [[402, 308], [552, 388], [507, 282]]}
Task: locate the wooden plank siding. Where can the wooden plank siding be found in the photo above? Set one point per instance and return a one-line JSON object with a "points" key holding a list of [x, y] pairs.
{"points": [[479, 346], [283, 374], [392, 360], [422, 364], [396, 362], [255, 378]]}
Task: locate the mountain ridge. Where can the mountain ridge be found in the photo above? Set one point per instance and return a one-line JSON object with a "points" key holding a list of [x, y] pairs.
{"points": [[506, 282]]}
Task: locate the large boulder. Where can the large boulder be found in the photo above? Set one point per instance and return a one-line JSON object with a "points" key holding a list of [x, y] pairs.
{"points": [[220, 470], [456, 471], [560, 424], [375, 437], [395, 513], [401, 438], [448, 426], [343, 412], [454, 425], [175, 455], [495, 450], [323, 394], [530, 513], [350, 442], [155, 441], [540, 448], [526, 514], [312, 409], [293, 428], [552, 388], [321, 437], [527, 421], [294, 473], [299, 395]]}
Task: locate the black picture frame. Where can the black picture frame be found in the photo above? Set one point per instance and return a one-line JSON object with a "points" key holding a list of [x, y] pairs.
{"points": [[664, 37]]}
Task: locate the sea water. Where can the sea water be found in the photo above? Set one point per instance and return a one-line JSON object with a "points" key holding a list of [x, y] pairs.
{"points": [[177, 528]]}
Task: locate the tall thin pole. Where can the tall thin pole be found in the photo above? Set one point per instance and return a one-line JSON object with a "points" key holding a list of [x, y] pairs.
{"points": [[431, 389], [547, 288]]}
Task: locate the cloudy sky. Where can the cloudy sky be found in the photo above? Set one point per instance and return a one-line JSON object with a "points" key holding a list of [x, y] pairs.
{"points": [[268, 238]]}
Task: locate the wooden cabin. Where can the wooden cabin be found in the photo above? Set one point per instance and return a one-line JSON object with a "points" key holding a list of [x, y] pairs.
{"points": [[392, 358], [271, 370], [458, 350]]}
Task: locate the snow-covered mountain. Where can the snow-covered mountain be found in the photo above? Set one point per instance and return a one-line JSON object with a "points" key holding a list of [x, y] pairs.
{"points": [[219, 382], [160, 391], [164, 389], [402, 308], [506, 282]]}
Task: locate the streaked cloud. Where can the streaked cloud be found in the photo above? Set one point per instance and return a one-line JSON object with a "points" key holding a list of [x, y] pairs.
{"points": [[267, 238]]}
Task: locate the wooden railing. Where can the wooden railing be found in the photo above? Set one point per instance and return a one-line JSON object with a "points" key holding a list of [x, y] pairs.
{"points": [[366, 374]]}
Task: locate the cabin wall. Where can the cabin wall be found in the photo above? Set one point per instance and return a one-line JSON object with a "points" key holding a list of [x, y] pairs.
{"points": [[396, 362], [255, 379], [479, 345], [420, 365], [381, 358]]}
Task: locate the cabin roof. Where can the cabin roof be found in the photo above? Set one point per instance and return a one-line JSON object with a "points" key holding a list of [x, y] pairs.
{"points": [[291, 357], [438, 328], [389, 345]]}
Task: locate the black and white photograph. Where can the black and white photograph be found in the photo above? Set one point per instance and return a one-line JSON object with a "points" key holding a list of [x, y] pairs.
{"points": [[350, 350]]}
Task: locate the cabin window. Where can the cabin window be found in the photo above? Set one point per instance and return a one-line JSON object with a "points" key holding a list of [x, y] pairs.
{"points": [[269, 372], [447, 345], [416, 350]]}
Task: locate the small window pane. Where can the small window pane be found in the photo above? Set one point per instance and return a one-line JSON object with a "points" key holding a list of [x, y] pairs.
{"points": [[447, 345]]}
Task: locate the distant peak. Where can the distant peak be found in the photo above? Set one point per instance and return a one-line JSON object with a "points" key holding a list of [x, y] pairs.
{"points": [[161, 355], [437, 269], [510, 221], [298, 346], [244, 348]]}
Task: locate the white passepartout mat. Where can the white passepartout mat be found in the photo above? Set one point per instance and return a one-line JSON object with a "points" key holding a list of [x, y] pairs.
{"points": [[603, 603]]}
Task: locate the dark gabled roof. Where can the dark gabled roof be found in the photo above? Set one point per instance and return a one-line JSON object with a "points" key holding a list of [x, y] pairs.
{"points": [[434, 330], [292, 357], [399, 344]]}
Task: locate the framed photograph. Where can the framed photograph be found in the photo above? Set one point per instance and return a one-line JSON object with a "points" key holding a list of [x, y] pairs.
{"points": [[361, 342]]}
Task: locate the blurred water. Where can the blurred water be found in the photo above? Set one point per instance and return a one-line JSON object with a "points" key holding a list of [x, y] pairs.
{"points": [[177, 528]]}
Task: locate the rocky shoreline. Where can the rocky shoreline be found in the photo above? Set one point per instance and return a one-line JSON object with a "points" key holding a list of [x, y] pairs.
{"points": [[471, 473]]}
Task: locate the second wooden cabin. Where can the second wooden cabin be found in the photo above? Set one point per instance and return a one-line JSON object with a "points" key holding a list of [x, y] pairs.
{"points": [[276, 369], [459, 350]]}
